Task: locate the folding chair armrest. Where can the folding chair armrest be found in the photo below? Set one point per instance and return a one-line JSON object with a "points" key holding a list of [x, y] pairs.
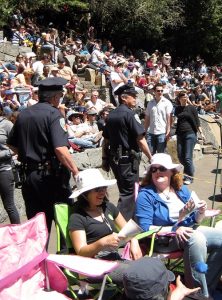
{"points": [[148, 233], [58, 245], [209, 213], [89, 267]]}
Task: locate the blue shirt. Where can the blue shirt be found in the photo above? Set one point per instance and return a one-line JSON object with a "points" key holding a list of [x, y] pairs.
{"points": [[152, 210]]}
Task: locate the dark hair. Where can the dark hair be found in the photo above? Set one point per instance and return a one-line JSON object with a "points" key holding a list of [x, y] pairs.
{"points": [[180, 95], [156, 85]]}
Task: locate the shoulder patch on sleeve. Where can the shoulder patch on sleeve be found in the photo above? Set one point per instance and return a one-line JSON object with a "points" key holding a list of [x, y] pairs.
{"points": [[63, 124], [137, 118]]}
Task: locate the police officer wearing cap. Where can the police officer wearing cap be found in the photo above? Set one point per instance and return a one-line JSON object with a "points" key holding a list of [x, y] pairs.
{"points": [[124, 139], [40, 139]]}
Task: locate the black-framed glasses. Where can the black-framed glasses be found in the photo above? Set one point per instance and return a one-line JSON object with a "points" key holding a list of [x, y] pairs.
{"points": [[159, 91], [100, 189], [155, 169]]}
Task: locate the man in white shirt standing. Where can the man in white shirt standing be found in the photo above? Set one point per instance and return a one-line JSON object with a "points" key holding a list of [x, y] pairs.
{"points": [[158, 120]]}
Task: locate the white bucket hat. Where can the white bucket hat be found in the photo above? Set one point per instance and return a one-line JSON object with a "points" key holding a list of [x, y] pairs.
{"points": [[90, 179], [164, 160]]}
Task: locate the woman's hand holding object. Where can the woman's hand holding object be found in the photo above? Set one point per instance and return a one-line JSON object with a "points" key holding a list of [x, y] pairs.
{"points": [[184, 233]]}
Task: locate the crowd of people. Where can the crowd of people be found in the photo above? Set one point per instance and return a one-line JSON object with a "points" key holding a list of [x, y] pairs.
{"points": [[54, 114]]}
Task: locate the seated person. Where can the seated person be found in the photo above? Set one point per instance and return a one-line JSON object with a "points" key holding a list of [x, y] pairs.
{"points": [[93, 225], [80, 132], [96, 103], [163, 200]]}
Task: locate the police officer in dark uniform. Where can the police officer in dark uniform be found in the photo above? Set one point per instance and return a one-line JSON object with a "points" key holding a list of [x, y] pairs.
{"points": [[124, 139], [40, 139]]}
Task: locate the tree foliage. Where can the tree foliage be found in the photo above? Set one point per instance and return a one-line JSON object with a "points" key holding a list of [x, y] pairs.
{"points": [[181, 27], [138, 20]]}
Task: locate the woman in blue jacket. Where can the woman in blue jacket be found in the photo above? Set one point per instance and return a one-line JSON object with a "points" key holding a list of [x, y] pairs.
{"points": [[164, 201]]}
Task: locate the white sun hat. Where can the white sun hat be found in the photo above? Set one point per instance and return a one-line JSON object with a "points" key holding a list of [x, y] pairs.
{"points": [[90, 179], [164, 160]]}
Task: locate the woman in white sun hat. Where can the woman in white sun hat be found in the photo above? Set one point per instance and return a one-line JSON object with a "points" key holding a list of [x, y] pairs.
{"points": [[164, 201], [93, 225]]}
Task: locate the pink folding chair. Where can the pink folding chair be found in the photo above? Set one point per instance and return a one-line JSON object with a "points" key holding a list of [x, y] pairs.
{"points": [[29, 272]]}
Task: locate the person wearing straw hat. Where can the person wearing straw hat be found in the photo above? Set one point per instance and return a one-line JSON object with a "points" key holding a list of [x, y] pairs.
{"points": [[93, 225], [164, 201]]}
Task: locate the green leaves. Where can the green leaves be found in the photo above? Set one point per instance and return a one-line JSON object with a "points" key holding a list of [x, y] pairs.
{"points": [[182, 27]]}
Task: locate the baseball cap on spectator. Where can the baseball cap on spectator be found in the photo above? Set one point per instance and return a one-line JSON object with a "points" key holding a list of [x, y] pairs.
{"points": [[9, 92], [120, 61], [91, 111], [167, 55], [87, 98], [130, 65], [146, 278], [78, 41], [137, 64], [126, 89], [186, 70], [178, 69], [150, 86], [105, 68], [29, 54], [73, 113], [54, 68]]}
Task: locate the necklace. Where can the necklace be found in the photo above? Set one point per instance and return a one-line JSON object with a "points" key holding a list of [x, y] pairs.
{"points": [[105, 220], [167, 196]]}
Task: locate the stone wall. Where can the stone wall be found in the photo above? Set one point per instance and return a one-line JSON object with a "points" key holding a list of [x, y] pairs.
{"points": [[92, 158], [8, 52]]}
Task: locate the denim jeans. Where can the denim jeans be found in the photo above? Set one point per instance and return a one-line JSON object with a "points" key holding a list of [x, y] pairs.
{"points": [[7, 195], [84, 143], [185, 147], [205, 245], [157, 142]]}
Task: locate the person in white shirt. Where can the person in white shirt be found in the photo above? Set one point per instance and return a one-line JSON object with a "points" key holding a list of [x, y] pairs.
{"points": [[117, 78], [158, 120], [96, 103]]}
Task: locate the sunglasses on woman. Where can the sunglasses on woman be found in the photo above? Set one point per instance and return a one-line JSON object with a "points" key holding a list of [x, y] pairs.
{"points": [[100, 189], [161, 169]]}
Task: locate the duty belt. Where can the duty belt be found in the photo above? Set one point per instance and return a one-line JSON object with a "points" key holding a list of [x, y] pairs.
{"points": [[32, 166]]}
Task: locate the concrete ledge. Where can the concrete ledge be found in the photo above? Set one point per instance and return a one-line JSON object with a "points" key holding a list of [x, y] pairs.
{"points": [[211, 129]]}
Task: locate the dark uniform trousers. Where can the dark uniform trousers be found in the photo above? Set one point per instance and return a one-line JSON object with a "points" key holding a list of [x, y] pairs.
{"points": [[126, 171], [41, 191]]}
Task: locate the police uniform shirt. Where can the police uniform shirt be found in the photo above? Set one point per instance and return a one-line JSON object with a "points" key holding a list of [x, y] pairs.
{"points": [[38, 130], [122, 128]]}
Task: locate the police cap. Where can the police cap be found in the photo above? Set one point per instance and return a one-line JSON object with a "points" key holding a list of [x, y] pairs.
{"points": [[52, 84], [49, 87], [126, 89]]}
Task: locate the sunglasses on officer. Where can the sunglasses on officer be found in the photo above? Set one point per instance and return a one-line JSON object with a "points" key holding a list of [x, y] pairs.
{"points": [[160, 169]]}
